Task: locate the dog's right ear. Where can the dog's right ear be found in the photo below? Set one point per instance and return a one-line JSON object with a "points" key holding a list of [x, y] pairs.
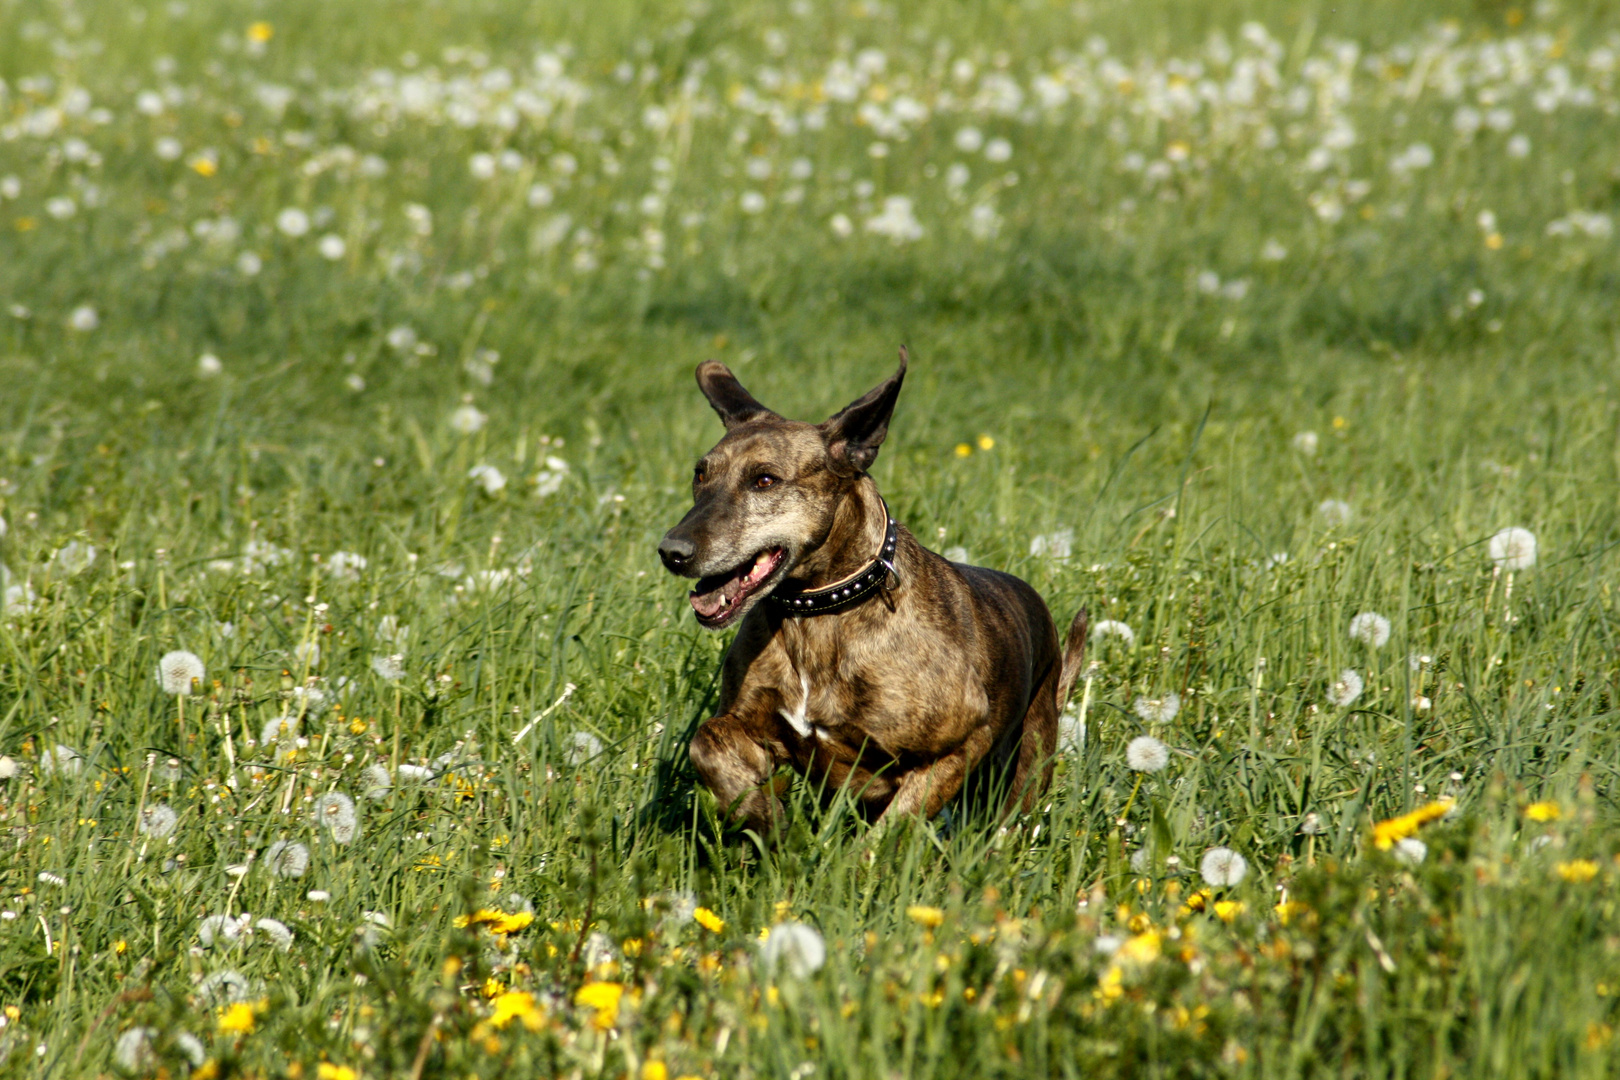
{"points": [[734, 404]]}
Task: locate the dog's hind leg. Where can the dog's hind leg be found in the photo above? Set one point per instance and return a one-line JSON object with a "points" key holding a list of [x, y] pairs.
{"points": [[737, 769], [1036, 747]]}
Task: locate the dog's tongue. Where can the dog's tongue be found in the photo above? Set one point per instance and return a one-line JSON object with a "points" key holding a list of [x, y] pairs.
{"points": [[714, 601]]}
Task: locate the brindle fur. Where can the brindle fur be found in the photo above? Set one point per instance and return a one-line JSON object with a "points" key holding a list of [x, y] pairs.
{"points": [[953, 671]]}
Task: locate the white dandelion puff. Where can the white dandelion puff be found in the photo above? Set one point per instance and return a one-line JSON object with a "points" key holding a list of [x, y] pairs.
{"points": [[133, 1050], [318, 896], [208, 365], [74, 557], [1108, 628], [191, 1048], [222, 930], [796, 948], [336, 812], [1159, 710], [390, 667], [549, 480], [332, 247], [1335, 513], [1305, 443], [61, 761], [1371, 629], [83, 319], [307, 654], [390, 631], [1053, 545], [180, 672], [278, 730], [345, 565], [583, 747], [377, 782], [489, 478], [278, 932], [415, 774], [308, 700], [1146, 754], [1345, 689], [401, 338], [373, 925], [225, 987], [1410, 851], [1513, 548], [1071, 731], [1222, 868], [286, 859], [898, 221], [1311, 824], [158, 820], [292, 222], [468, 420]]}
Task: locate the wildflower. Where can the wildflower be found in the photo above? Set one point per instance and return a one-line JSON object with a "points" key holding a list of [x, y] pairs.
{"points": [[549, 480], [499, 922], [391, 667], [158, 821], [415, 774], [307, 653], [345, 565], [401, 339], [237, 1019], [517, 1005], [328, 1071], [222, 929], [180, 672], [1513, 548], [604, 998], [335, 810], [1386, 833], [282, 728], [467, 420], [841, 226], [318, 896], [708, 920], [1371, 629], [931, 917], [1139, 949], [49, 878], [292, 222], [285, 859], [1056, 545], [279, 933], [1071, 731], [1410, 851], [1160, 710], [61, 761], [260, 32], [1146, 754], [1543, 811], [377, 782], [1222, 867], [898, 221], [83, 319], [796, 947], [1227, 910], [1345, 689], [998, 150], [225, 987], [1578, 871], [1113, 628], [1305, 443], [1311, 824], [332, 247], [1335, 513], [489, 478], [133, 1050], [582, 747], [969, 140], [208, 365]]}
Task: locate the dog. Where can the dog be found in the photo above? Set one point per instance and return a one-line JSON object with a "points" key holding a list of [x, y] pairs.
{"points": [[863, 660]]}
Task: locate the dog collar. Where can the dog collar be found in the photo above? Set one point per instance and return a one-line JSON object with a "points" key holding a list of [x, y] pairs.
{"points": [[853, 591]]}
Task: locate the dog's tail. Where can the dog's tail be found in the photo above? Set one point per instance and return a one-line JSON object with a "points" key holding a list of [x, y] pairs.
{"points": [[1074, 655]]}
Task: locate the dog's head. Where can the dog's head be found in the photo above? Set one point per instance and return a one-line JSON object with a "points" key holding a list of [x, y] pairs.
{"points": [[765, 497]]}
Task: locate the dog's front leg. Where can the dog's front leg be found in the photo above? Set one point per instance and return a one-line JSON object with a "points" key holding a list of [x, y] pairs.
{"points": [[924, 791], [732, 764]]}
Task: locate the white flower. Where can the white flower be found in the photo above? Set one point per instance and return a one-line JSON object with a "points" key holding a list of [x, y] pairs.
{"points": [[223, 929], [285, 859], [158, 821], [751, 202], [180, 672], [1334, 512], [1071, 731], [489, 478], [1345, 689], [1146, 754], [390, 667], [249, 264], [467, 420], [841, 226], [1311, 824], [83, 319], [1370, 628], [998, 150], [280, 935], [191, 1048], [133, 1050], [332, 247], [969, 140], [1410, 851], [482, 166], [62, 760], [345, 565], [898, 221], [582, 747], [377, 782], [1513, 548], [208, 365], [226, 987], [61, 207], [550, 479], [1107, 628], [1222, 867], [292, 222], [307, 700], [1159, 710], [335, 810], [415, 774], [391, 632], [307, 654], [401, 339], [75, 557], [1305, 442], [1054, 545], [274, 731], [797, 948]]}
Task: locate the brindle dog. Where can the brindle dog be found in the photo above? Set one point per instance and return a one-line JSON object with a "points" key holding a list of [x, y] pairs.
{"points": [[862, 658]]}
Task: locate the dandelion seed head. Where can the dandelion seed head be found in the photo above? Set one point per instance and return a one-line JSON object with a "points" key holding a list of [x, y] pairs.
{"points": [[180, 672], [336, 812], [583, 747], [1335, 513], [225, 987], [208, 365], [467, 420], [1371, 629], [84, 319], [276, 932], [1305, 443], [1159, 710], [158, 820], [1345, 689], [223, 930], [1513, 548], [489, 478], [1410, 851], [133, 1051], [377, 783], [1146, 754], [1107, 628], [795, 948], [61, 761], [292, 222], [1071, 731], [1222, 868], [1053, 545], [286, 859]]}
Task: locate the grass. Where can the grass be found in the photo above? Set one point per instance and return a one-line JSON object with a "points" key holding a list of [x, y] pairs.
{"points": [[1172, 274]]}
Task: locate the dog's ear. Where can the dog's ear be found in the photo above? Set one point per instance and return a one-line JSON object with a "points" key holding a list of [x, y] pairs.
{"points": [[734, 404], [854, 435]]}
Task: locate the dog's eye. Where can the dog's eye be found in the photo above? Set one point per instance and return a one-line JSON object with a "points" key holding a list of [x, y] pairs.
{"points": [[765, 480], [699, 475]]}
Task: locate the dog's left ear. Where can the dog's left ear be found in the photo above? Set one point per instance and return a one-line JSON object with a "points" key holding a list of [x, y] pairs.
{"points": [[854, 435]]}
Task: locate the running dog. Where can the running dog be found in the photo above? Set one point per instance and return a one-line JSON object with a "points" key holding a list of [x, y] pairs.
{"points": [[862, 659]]}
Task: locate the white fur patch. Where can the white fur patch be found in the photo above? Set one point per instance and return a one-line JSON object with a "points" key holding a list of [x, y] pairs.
{"points": [[798, 719]]}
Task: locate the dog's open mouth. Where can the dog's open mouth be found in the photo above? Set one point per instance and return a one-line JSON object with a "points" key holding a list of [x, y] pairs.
{"points": [[720, 598]]}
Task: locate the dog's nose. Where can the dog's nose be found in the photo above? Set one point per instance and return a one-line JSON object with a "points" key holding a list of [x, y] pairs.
{"points": [[676, 552]]}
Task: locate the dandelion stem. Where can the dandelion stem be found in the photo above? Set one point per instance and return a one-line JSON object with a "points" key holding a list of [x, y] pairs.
{"points": [[1126, 813]]}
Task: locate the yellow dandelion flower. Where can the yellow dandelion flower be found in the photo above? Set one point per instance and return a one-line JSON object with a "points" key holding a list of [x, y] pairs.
{"points": [[1227, 910], [1141, 948], [1494, 241], [208, 1070], [328, 1071], [962, 448], [930, 917], [1111, 986], [708, 920], [237, 1019], [1289, 908], [517, 1005], [493, 987], [654, 1070], [1578, 871], [501, 922], [1387, 833], [986, 443], [204, 166], [1198, 901], [120, 946], [261, 32], [604, 998], [1543, 811]]}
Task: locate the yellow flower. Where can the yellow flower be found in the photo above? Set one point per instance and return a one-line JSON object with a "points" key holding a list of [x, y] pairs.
{"points": [[328, 1071], [204, 166], [986, 443], [1227, 910], [208, 1070], [1578, 871], [1387, 833], [517, 1005], [261, 32], [1196, 902], [237, 1019], [120, 946], [654, 1070], [1494, 241], [1289, 908], [708, 920], [1543, 811], [604, 998], [1110, 986], [930, 917], [493, 987], [963, 449], [501, 922], [1140, 948]]}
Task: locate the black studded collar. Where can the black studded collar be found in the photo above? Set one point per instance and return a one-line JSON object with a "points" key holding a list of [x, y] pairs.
{"points": [[848, 593]]}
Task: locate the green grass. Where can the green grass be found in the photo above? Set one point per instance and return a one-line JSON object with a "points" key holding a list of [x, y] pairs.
{"points": [[1455, 356]]}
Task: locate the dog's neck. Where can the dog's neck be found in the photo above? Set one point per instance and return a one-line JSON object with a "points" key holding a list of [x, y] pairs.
{"points": [[860, 522]]}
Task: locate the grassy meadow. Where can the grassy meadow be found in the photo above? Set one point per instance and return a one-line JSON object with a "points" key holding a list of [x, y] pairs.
{"points": [[348, 348]]}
